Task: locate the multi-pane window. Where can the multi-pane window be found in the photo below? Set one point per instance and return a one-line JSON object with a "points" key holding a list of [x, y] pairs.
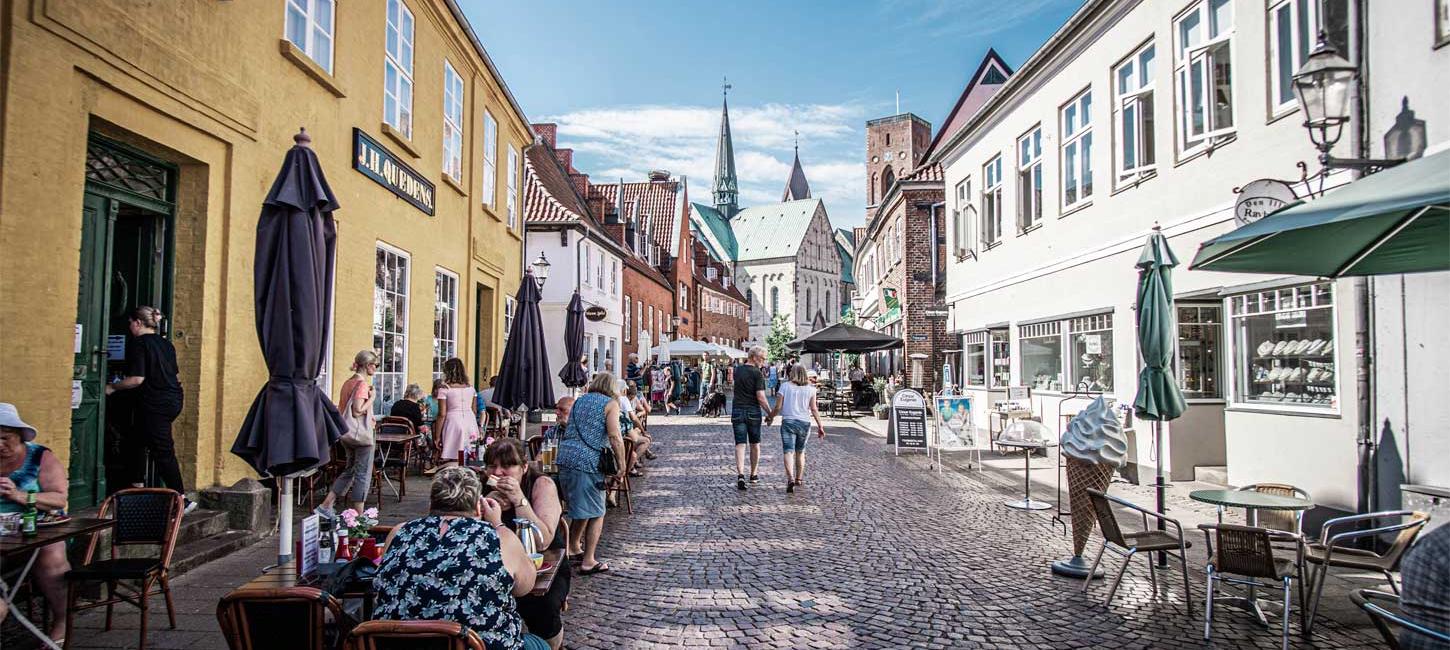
{"points": [[962, 219], [1041, 345], [398, 69], [992, 202], [1203, 73], [613, 277], [774, 301], [1077, 150], [452, 122], [390, 326], [1000, 357], [628, 321], [490, 158], [1133, 114], [309, 27], [586, 276], [510, 309], [445, 319], [1291, 36], [975, 358], [598, 271], [684, 297], [1200, 349], [651, 328], [1092, 353], [1442, 22], [1284, 347], [1029, 179], [512, 202], [639, 313]]}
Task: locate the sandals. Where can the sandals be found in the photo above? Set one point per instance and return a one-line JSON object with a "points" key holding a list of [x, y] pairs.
{"points": [[601, 567]]}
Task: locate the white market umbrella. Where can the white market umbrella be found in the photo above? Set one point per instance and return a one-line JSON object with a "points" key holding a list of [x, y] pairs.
{"points": [[684, 347], [644, 346], [662, 351]]}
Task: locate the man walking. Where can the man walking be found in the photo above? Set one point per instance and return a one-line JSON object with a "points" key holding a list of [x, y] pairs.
{"points": [[749, 407]]}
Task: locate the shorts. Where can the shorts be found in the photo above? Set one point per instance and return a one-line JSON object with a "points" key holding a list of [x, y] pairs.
{"points": [[745, 420], [794, 434], [584, 491]]}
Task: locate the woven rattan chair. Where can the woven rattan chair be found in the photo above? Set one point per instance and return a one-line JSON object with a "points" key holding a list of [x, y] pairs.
{"points": [[1128, 544], [294, 618], [413, 635], [1247, 553], [1289, 521], [1333, 549]]}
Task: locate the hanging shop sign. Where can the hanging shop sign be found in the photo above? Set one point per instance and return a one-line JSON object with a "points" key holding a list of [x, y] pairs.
{"points": [[379, 164], [908, 420], [1260, 198], [595, 313]]}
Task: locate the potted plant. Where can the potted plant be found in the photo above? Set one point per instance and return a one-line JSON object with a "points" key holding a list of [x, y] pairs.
{"points": [[357, 526], [880, 410]]}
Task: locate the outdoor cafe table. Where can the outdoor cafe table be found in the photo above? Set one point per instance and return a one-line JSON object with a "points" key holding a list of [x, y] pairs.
{"points": [[1027, 447], [17, 545], [386, 442], [1252, 502]]}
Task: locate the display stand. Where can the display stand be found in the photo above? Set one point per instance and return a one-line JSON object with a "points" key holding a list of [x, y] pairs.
{"points": [[908, 421], [954, 414]]}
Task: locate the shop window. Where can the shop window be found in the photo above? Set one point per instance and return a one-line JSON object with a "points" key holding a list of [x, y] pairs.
{"points": [[445, 319], [452, 122], [1200, 328], [1001, 357], [390, 326], [1284, 350], [975, 355], [1203, 73], [1042, 354], [490, 158], [1092, 353], [309, 27], [1077, 150], [398, 69], [1029, 179], [1133, 115]]}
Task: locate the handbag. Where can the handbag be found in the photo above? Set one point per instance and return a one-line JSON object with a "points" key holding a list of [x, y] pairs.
{"points": [[359, 433], [608, 462]]}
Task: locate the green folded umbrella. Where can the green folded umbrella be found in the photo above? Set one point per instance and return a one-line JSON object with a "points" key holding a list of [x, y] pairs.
{"points": [[1158, 395]]}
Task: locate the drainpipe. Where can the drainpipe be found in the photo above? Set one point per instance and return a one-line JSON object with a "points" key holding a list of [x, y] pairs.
{"points": [[1363, 296]]}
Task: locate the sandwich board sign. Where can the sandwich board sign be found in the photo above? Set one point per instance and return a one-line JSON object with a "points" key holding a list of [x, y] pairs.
{"points": [[908, 420]]}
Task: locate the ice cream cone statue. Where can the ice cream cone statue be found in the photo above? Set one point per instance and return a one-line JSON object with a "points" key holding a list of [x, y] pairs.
{"points": [[1094, 446]]}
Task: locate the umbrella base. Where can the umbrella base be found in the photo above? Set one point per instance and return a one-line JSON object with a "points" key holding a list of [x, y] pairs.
{"points": [[1076, 567]]}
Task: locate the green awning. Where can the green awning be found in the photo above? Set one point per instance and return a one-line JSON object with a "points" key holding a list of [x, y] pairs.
{"points": [[1396, 221]]}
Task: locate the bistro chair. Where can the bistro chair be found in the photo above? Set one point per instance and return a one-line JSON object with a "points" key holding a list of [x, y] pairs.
{"points": [[144, 517], [536, 445], [1281, 520], [1332, 549], [1247, 553], [413, 635], [294, 618], [1378, 605], [826, 398], [621, 484], [1128, 544], [393, 425]]}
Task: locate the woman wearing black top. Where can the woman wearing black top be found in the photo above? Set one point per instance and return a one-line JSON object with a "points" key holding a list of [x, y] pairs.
{"points": [[408, 407], [151, 371], [525, 494]]}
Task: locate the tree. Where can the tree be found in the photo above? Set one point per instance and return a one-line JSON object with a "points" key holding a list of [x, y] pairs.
{"points": [[848, 316], [780, 334]]}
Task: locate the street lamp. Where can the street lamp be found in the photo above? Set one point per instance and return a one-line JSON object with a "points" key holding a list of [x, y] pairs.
{"points": [[1325, 87], [540, 268]]}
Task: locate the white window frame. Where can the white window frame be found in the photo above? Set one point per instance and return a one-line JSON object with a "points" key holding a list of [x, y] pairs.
{"points": [[613, 277], [1301, 43], [452, 122], [1029, 179], [1205, 54], [512, 202], [1135, 106], [1240, 306], [510, 310], [1075, 129], [314, 32], [991, 231], [970, 340], [391, 381], [684, 297], [963, 221], [445, 318], [628, 318], [399, 61], [588, 263], [490, 159]]}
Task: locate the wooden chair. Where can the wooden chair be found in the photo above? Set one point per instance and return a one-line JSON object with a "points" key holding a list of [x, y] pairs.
{"points": [[413, 635], [1333, 549], [1128, 544], [535, 444], [621, 484], [144, 517], [1248, 553], [293, 618]]}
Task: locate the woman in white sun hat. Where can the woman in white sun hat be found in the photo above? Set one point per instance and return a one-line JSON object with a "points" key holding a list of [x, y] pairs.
{"points": [[27, 467]]}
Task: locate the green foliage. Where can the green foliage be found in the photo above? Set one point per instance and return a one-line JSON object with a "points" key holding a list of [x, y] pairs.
{"points": [[780, 334]]}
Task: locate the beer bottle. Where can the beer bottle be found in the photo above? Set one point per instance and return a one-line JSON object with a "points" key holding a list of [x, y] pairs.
{"points": [[27, 520]]}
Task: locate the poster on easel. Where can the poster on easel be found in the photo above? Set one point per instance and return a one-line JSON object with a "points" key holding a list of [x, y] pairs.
{"points": [[908, 420], [954, 422]]}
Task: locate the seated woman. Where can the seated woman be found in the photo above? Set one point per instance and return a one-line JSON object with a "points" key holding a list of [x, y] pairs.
{"points": [[640, 408], [461, 547], [632, 430], [27, 467], [410, 407], [524, 494]]}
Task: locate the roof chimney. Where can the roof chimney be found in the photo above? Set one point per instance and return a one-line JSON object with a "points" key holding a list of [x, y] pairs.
{"points": [[659, 176], [548, 131]]}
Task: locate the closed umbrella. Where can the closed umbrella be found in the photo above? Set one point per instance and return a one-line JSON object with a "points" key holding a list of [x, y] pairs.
{"points": [[573, 374], [292, 424], [523, 376], [1158, 397]]}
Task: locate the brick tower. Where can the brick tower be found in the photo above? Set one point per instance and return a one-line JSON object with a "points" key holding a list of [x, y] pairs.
{"points": [[894, 147]]}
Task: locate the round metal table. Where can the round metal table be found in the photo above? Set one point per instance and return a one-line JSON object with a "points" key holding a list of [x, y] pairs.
{"points": [[1252, 502], [1027, 447]]}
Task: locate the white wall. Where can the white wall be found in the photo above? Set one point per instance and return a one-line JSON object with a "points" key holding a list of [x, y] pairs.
{"points": [[559, 289]]}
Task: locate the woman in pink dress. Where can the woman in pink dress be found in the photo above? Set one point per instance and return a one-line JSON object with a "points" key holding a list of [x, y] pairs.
{"points": [[457, 415]]}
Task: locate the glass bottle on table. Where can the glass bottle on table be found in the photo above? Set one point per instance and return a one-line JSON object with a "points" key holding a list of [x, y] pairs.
{"points": [[27, 520]]}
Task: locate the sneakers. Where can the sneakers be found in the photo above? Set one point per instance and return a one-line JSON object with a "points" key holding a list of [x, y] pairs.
{"points": [[188, 507], [740, 482], [754, 479], [790, 487], [325, 512]]}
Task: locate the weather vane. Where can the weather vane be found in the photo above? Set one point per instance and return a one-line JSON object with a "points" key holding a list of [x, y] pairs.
{"points": [[797, 140], [725, 85]]}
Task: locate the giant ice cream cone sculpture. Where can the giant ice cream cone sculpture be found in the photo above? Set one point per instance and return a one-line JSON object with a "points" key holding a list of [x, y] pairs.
{"points": [[1094, 446]]}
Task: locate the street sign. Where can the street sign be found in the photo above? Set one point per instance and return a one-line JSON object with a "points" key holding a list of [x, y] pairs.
{"points": [[908, 420]]}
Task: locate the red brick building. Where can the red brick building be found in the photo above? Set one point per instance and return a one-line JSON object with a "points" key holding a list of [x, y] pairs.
{"points": [[724, 312], [651, 219]]}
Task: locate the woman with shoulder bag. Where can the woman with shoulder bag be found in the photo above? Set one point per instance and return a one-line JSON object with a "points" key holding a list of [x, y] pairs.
{"points": [[592, 449], [357, 412]]}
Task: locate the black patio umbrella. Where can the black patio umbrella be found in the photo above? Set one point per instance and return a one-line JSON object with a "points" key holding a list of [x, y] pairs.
{"points": [[292, 424], [523, 376], [844, 338], [573, 374]]}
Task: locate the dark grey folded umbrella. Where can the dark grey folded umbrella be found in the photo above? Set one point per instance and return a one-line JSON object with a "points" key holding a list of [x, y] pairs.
{"points": [[523, 376], [573, 374]]}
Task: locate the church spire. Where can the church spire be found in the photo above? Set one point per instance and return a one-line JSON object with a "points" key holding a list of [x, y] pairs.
{"points": [[796, 187], [726, 188]]}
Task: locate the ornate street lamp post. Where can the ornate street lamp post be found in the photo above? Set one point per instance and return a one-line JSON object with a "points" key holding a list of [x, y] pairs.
{"points": [[540, 267]]}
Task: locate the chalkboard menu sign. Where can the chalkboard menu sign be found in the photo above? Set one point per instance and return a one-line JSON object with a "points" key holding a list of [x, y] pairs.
{"points": [[908, 420]]}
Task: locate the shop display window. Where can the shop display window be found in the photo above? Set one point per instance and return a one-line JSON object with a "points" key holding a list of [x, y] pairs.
{"points": [[1284, 347], [1042, 355], [976, 359], [1092, 353], [1001, 359], [1200, 329]]}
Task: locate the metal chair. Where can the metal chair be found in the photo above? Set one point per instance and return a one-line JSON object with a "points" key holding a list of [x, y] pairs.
{"points": [[1282, 520], [1131, 543], [1331, 550], [294, 618], [144, 516], [1246, 552], [413, 635], [1374, 604]]}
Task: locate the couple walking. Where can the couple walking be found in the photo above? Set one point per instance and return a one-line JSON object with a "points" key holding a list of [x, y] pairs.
{"points": [[795, 404]]}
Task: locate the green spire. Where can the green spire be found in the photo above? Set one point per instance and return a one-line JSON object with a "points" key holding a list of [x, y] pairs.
{"points": [[726, 188]]}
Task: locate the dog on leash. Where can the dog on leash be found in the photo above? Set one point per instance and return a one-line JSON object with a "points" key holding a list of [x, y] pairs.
{"points": [[713, 406]]}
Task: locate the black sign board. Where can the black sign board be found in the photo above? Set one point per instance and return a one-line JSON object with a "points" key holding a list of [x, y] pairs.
{"points": [[908, 420], [379, 164], [595, 313]]}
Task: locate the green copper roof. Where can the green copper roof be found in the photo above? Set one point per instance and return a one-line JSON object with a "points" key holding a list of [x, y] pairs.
{"points": [[773, 230], [726, 188], [847, 262], [713, 229]]}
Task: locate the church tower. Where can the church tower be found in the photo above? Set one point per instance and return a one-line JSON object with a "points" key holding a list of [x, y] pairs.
{"points": [[726, 188], [796, 188]]}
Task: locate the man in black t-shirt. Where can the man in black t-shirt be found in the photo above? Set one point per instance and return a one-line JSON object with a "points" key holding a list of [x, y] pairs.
{"points": [[745, 415]]}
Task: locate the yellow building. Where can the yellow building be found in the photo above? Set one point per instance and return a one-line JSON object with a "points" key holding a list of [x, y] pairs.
{"points": [[137, 140]]}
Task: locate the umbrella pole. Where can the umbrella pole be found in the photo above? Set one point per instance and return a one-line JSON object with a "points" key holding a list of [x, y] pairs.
{"points": [[1159, 485], [284, 523]]}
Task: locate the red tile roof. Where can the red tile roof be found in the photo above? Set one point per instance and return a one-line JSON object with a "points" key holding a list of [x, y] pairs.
{"points": [[548, 195], [931, 172], [654, 199]]}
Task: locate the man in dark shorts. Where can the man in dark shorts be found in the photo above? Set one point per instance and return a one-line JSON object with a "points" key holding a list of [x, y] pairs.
{"points": [[745, 415]]}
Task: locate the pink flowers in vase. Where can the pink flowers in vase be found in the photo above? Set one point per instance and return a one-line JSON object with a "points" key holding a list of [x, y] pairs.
{"points": [[357, 524]]}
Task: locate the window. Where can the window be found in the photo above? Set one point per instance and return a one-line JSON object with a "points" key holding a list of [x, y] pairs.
{"points": [[1042, 354], [962, 220], [628, 323], [599, 271], [1291, 36], [900, 240], [975, 358], [1001, 357], [992, 202], [309, 27], [808, 306], [774, 301], [1092, 352], [1199, 333], [1284, 348], [1077, 150], [510, 309], [684, 297], [445, 319], [490, 158], [512, 202], [398, 69], [639, 313], [1133, 114], [390, 326], [588, 263], [711, 274], [1029, 179], [652, 323], [452, 122], [1442, 23], [613, 277], [1203, 72]]}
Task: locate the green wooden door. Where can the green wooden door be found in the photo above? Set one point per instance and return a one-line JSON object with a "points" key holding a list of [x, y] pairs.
{"points": [[88, 407]]}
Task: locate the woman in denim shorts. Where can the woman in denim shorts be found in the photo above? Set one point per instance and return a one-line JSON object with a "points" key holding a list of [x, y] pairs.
{"points": [[797, 407]]}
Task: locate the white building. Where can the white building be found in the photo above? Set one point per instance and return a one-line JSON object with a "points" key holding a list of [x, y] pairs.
{"points": [[1135, 114]]}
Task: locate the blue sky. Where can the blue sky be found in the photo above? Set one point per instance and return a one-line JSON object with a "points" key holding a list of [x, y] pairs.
{"points": [[635, 86]]}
